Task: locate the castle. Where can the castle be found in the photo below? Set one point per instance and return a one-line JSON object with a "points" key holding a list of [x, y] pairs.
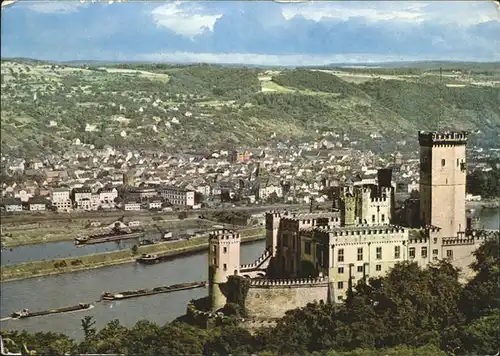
{"points": [[314, 256]]}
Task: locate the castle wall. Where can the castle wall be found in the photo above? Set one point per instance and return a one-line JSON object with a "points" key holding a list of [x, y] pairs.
{"points": [[362, 252], [272, 299]]}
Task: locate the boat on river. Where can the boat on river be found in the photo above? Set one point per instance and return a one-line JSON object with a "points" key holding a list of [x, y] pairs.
{"points": [[25, 313], [153, 291], [151, 259], [116, 234]]}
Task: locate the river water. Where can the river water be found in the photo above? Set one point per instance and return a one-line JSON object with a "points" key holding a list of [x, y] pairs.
{"points": [[86, 286], [65, 249]]}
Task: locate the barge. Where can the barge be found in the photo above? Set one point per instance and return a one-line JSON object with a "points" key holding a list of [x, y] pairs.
{"points": [[25, 313], [114, 235], [157, 290]]}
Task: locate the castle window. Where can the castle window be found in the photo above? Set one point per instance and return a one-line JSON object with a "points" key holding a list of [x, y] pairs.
{"points": [[435, 241], [341, 270], [214, 248], [424, 252], [434, 255], [449, 253], [215, 261], [379, 253], [443, 162], [360, 269], [412, 252], [378, 268], [340, 298], [373, 218], [225, 267], [340, 285], [383, 217], [340, 257], [360, 253], [458, 162], [397, 252], [225, 249], [307, 247]]}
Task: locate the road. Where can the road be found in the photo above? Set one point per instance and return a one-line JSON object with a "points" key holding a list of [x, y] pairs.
{"points": [[26, 217]]}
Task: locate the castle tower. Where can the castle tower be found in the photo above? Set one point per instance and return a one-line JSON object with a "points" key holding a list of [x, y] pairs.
{"points": [[443, 171], [128, 178], [348, 209], [223, 261], [272, 228]]}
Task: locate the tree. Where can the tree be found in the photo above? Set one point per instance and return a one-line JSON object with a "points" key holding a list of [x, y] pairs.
{"points": [[482, 335], [482, 293]]}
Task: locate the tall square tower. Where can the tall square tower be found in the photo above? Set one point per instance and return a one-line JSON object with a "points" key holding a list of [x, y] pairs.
{"points": [[443, 171]]}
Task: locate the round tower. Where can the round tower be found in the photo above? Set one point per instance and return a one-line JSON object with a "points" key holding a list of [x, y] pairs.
{"points": [[223, 261]]}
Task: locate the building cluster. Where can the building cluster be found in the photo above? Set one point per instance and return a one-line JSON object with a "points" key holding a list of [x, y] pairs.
{"points": [[319, 255], [288, 173]]}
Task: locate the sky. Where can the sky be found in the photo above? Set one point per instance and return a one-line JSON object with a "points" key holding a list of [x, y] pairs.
{"points": [[250, 32]]}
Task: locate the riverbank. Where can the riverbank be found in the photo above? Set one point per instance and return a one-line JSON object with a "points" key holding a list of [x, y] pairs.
{"points": [[100, 260], [33, 234]]}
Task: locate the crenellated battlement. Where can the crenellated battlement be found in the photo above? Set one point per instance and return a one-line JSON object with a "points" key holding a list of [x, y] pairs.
{"points": [[193, 311], [291, 282], [224, 234], [442, 138], [364, 229], [418, 240], [379, 200], [257, 263], [459, 241]]}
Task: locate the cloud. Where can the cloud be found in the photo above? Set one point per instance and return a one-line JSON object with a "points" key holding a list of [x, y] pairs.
{"points": [[263, 32], [339, 11], [54, 7], [462, 13], [184, 18]]}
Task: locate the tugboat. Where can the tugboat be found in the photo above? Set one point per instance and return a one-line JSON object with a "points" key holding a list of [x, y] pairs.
{"points": [[149, 258]]}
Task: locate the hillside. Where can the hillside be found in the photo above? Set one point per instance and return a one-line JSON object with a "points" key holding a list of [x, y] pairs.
{"points": [[47, 108]]}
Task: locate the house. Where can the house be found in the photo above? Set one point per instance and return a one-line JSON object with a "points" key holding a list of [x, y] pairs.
{"points": [[155, 204], [83, 193], [37, 204], [61, 198], [178, 196], [132, 205], [13, 205]]}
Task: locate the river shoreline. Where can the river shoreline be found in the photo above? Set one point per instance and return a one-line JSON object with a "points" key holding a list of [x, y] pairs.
{"points": [[101, 260], [52, 235]]}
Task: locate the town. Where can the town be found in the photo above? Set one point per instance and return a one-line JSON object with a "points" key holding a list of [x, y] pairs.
{"points": [[105, 180]]}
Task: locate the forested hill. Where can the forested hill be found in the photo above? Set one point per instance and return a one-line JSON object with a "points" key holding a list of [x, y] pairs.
{"points": [[47, 107]]}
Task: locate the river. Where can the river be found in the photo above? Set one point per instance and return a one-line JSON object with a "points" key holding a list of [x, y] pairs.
{"points": [[86, 286]]}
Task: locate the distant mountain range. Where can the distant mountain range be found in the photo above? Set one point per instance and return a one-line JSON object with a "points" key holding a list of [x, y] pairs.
{"points": [[392, 64]]}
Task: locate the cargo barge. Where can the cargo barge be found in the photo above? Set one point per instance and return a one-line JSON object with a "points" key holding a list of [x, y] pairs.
{"points": [[114, 235], [25, 313], [146, 292]]}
